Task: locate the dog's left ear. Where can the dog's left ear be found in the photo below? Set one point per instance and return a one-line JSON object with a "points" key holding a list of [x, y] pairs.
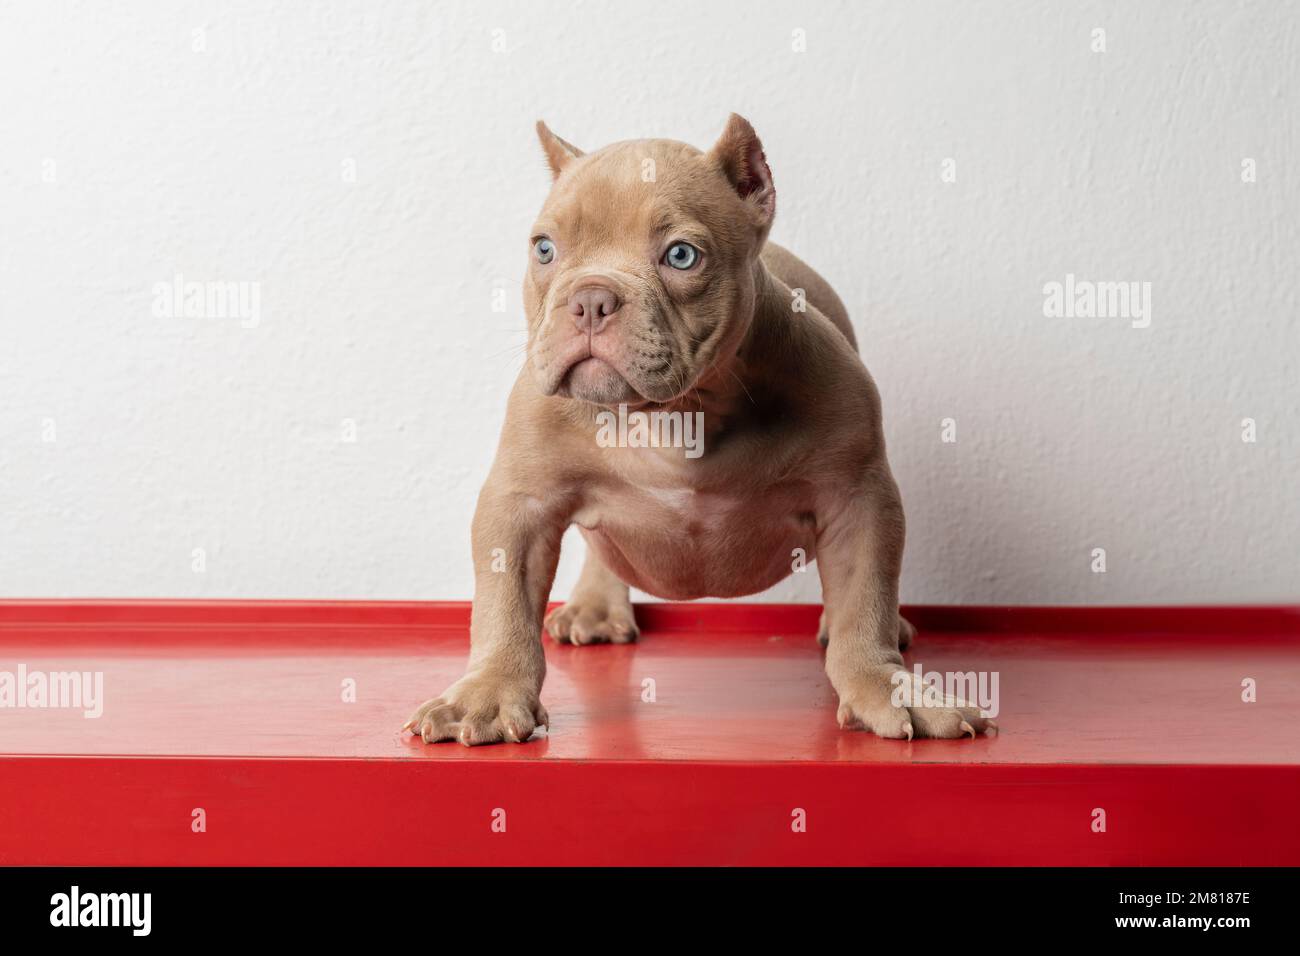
{"points": [[739, 154], [558, 153]]}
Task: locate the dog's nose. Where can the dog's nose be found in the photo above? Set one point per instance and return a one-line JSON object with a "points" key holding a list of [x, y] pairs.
{"points": [[592, 305]]}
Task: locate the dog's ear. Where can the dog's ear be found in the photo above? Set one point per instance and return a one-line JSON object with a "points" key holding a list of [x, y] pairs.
{"points": [[558, 153], [739, 154]]}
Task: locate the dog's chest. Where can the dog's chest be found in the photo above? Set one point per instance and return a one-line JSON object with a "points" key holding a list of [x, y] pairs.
{"points": [[682, 542], [697, 512]]}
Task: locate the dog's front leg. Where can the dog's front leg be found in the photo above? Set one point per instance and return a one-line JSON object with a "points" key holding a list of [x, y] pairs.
{"points": [[516, 544], [860, 554]]}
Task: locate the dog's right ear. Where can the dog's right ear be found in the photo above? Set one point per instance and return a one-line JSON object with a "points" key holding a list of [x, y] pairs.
{"points": [[558, 153]]}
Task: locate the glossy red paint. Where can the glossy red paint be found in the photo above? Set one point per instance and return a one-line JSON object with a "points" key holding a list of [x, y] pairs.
{"points": [[238, 708]]}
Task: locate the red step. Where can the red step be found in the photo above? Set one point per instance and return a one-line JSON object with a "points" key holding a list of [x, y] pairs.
{"points": [[236, 708]]}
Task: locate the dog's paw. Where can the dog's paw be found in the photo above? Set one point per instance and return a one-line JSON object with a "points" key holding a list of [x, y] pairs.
{"points": [[889, 702], [581, 622], [480, 709]]}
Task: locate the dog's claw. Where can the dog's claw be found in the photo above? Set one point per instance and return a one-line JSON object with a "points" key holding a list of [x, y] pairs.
{"points": [[907, 728], [968, 729], [844, 715]]}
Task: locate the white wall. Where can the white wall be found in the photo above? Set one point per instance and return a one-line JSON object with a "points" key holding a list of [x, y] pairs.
{"points": [[227, 163]]}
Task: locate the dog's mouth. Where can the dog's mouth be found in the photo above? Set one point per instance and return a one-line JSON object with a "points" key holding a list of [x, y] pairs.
{"points": [[604, 371], [595, 380]]}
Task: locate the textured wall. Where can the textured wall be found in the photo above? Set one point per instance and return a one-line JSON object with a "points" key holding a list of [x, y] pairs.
{"points": [[372, 168]]}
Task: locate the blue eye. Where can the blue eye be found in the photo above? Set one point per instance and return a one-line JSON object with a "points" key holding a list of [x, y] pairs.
{"points": [[544, 249], [682, 255]]}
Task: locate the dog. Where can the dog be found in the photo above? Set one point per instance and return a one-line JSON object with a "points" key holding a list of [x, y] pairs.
{"points": [[651, 288]]}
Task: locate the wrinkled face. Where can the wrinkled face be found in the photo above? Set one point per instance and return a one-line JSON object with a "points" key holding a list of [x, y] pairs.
{"points": [[641, 267]]}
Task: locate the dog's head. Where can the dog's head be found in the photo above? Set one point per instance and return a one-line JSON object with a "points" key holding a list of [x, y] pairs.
{"points": [[641, 264]]}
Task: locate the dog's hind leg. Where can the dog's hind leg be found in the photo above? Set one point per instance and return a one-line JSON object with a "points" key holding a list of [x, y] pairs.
{"points": [[598, 612]]}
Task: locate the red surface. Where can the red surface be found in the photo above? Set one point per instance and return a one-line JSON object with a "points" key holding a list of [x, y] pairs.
{"points": [[236, 708]]}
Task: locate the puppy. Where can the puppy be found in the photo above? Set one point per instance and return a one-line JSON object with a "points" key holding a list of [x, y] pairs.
{"points": [[651, 288]]}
